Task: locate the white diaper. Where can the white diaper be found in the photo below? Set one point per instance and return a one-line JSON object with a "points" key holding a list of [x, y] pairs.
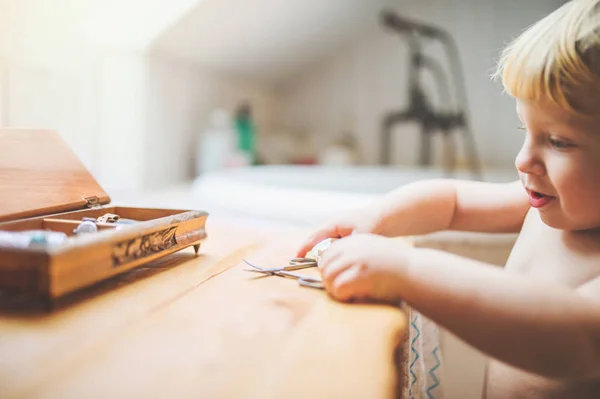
{"points": [[422, 359]]}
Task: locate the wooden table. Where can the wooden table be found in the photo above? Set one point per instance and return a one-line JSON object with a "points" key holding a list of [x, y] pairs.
{"points": [[203, 327]]}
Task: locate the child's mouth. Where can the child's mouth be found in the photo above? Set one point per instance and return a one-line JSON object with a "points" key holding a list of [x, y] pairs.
{"points": [[538, 200]]}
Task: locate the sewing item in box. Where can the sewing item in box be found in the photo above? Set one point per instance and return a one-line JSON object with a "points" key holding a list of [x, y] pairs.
{"points": [[59, 234]]}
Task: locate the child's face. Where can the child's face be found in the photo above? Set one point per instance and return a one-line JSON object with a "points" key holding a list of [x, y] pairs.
{"points": [[559, 165]]}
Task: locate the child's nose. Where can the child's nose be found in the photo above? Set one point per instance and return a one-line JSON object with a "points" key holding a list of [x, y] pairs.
{"points": [[528, 161]]}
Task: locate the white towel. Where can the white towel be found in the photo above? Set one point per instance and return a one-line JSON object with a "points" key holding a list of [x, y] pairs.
{"points": [[422, 357]]}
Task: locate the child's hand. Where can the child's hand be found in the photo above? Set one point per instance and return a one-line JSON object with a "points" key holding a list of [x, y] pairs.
{"points": [[360, 221], [365, 266]]}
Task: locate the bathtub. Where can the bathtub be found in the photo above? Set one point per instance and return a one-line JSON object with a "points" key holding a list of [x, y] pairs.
{"points": [[306, 195]]}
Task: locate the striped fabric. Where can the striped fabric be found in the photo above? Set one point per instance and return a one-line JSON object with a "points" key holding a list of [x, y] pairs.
{"points": [[423, 359]]}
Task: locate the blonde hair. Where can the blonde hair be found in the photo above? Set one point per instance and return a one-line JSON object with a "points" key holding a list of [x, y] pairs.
{"points": [[558, 58]]}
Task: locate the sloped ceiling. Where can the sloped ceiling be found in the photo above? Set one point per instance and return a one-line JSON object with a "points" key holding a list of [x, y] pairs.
{"points": [[267, 39], [134, 23], [263, 39], [53, 24]]}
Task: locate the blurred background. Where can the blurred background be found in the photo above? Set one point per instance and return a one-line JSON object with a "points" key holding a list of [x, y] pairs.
{"points": [[201, 103], [269, 111], [134, 85]]}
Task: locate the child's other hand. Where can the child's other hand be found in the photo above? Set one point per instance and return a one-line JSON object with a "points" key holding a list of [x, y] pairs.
{"points": [[365, 266], [342, 225]]}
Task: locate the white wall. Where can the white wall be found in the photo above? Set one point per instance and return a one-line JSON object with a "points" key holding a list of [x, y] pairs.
{"points": [[358, 85], [179, 99], [131, 117]]}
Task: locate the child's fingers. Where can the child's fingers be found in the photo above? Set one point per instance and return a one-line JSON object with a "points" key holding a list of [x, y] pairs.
{"points": [[328, 256], [314, 240], [334, 231], [344, 286], [331, 269]]}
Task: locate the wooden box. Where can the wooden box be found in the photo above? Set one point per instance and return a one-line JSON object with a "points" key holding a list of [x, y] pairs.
{"points": [[44, 186]]}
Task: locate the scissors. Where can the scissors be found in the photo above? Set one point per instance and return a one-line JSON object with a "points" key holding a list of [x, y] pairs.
{"points": [[294, 264], [285, 271]]}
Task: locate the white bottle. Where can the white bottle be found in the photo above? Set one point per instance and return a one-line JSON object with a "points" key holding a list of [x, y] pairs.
{"points": [[216, 144]]}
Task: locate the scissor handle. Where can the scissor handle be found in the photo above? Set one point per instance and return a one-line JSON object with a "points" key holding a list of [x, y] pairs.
{"points": [[311, 282], [303, 261]]}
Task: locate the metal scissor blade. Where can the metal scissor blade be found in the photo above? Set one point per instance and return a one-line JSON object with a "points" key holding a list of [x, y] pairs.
{"points": [[262, 269], [295, 264], [273, 271], [307, 281]]}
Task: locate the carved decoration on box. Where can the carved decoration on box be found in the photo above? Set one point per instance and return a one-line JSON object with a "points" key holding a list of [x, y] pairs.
{"points": [[141, 247]]}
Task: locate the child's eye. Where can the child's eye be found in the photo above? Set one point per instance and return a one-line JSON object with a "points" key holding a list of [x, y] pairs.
{"points": [[559, 144]]}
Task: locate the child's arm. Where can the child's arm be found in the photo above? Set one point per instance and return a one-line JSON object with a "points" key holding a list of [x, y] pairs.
{"points": [[433, 205], [542, 327]]}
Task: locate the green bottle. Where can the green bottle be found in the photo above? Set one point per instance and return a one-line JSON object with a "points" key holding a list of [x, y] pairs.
{"points": [[246, 132]]}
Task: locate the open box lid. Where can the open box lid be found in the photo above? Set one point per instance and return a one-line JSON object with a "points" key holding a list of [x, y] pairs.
{"points": [[40, 175]]}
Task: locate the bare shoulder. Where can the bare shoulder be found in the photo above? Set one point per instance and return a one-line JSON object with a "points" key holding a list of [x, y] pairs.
{"points": [[581, 253], [571, 257], [573, 260], [591, 289], [490, 207]]}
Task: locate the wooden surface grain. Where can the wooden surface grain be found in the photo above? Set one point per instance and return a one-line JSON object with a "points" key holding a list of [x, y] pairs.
{"points": [[203, 327]]}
